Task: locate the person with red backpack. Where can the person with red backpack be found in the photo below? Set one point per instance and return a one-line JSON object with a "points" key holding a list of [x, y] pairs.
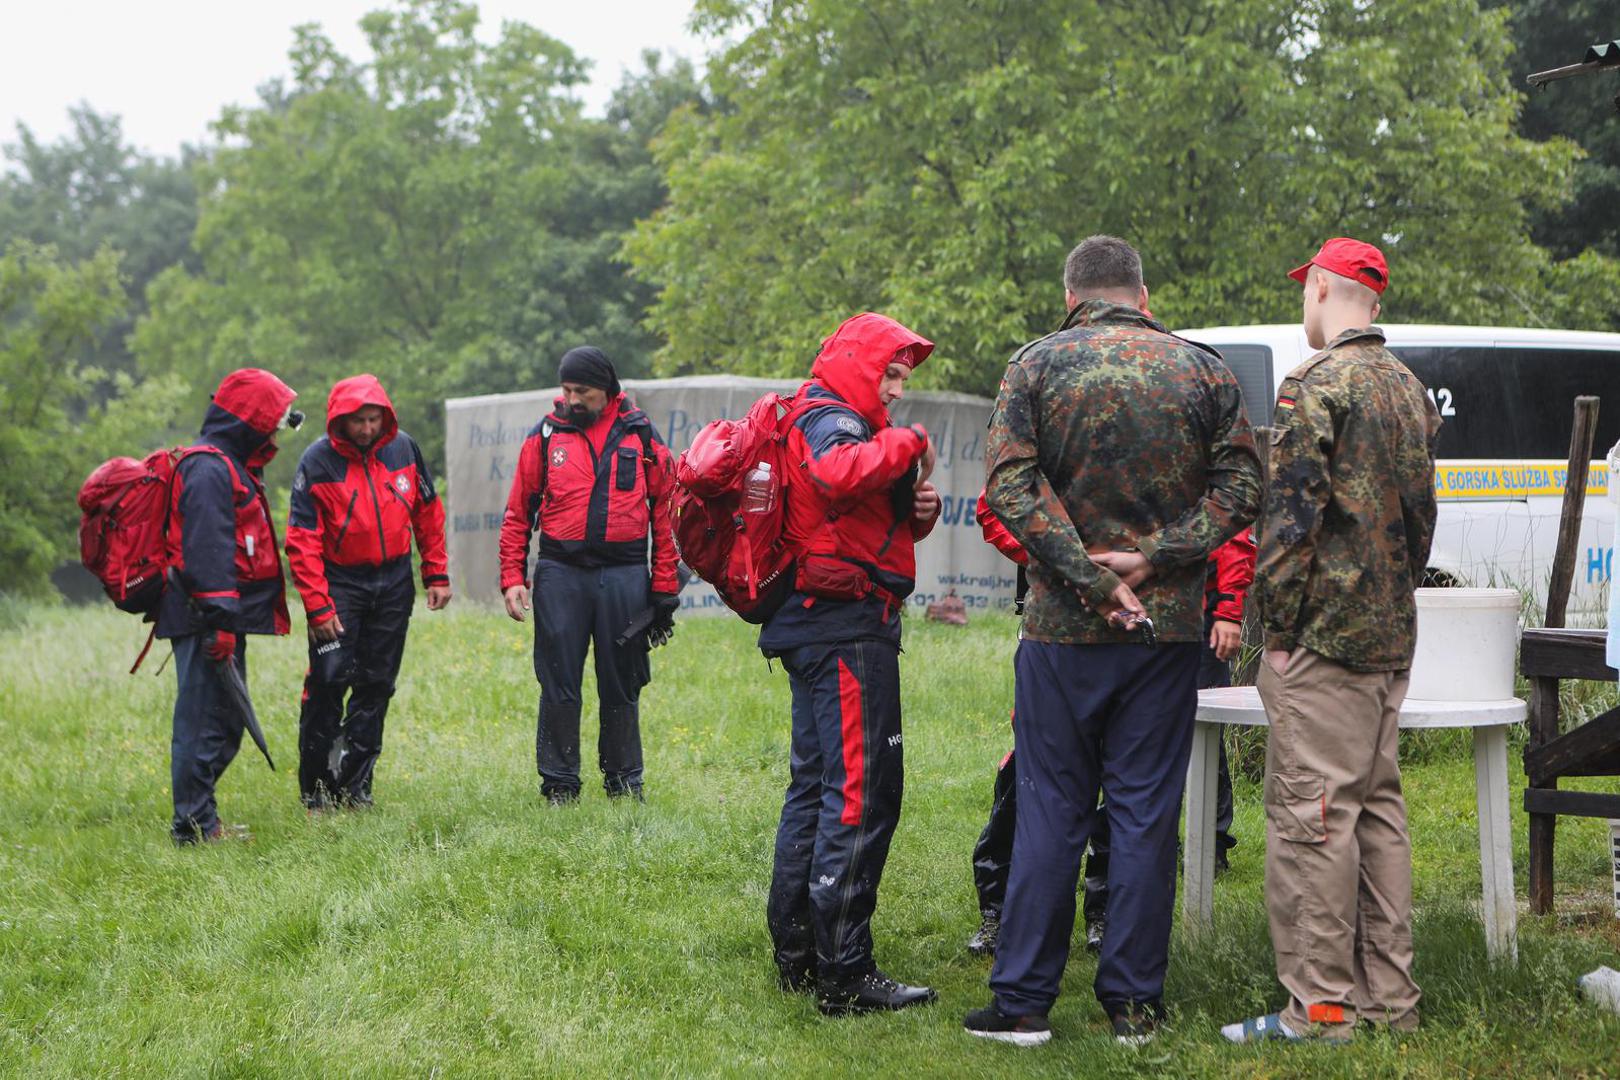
{"points": [[596, 481], [856, 502], [224, 582], [359, 496]]}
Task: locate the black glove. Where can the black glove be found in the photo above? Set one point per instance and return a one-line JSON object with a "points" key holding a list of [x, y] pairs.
{"points": [[663, 624]]}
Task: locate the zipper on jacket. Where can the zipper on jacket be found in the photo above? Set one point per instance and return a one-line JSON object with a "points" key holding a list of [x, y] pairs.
{"points": [[348, 517], [376, 505]]}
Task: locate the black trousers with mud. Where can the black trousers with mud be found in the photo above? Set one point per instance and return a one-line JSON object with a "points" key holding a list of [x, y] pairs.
{"points": [[339, 741], [574, 607]]}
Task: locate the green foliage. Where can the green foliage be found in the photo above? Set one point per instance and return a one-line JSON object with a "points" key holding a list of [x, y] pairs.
{"points": [[937, 158], [57, 416], [1550, 34], [461, 928], [440, 215], [89, 191]]}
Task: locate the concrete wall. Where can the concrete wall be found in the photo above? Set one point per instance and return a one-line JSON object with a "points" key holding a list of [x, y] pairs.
{"points": [[483, 435]]}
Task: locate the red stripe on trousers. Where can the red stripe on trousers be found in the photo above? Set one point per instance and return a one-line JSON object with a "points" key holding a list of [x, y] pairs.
{"points": [[849, 706]]}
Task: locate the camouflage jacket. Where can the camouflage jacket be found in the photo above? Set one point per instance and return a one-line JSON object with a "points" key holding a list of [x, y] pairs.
{"points": [[1111, 435], [1349, 512]]}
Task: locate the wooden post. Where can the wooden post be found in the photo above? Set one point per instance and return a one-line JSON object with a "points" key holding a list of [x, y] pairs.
{"points": [[1544, 691], [1569, 519], [1543, 729]]}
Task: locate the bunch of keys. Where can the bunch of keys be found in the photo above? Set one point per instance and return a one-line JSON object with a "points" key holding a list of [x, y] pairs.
{"points": [[1130, 621]]}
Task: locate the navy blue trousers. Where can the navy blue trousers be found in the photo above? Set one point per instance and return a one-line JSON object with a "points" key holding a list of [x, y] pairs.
{"points": [[842, 805], [206, 735], [1116, 719], [338, 746], [575, 606]]}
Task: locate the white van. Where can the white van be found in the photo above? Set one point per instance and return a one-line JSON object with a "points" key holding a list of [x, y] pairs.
{"points": [[1505, 396]]}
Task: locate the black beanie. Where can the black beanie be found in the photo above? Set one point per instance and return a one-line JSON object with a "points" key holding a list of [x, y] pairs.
{"points": [[589, 366]]}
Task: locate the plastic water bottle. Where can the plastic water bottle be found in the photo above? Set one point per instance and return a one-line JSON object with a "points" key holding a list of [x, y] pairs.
{"points": [[759, 496], [1603, 987]]}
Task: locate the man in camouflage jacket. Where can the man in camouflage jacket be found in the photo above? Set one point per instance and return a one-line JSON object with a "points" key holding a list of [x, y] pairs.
{"points": [[1344, 539], [1119, 457]]}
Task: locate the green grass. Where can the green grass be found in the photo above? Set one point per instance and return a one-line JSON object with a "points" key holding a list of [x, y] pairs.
{"points": [[461, 929]]}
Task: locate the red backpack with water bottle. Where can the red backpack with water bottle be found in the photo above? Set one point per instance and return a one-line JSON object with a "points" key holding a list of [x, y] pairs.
{"points": [[728, 509]]}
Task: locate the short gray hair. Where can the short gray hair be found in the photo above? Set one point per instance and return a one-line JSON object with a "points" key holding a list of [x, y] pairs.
{"points": [[1101, 264]]}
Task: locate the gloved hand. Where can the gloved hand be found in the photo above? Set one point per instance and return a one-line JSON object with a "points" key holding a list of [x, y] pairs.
{"points": [[663, 625], [220, 645]]}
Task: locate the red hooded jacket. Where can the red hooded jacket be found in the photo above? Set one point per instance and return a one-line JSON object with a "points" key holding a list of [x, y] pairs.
{"points": [[360, 508], [843, 502], [596, 495], [221, 542]]}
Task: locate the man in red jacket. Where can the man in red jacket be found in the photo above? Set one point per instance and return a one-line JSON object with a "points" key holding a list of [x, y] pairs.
{"points": [[360, 494], [596, 481], [225, 582], [853, 512]]}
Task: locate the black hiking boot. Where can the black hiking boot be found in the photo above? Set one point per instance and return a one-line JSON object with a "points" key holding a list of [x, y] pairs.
{"points": [[871, 991], [983, 941]]}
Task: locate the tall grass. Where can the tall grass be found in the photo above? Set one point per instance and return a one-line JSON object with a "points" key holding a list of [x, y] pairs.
{"points": [[461, 928]]}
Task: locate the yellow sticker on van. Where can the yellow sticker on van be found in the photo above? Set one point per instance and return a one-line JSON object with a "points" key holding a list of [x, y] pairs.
{"points": [[1512, 479]]}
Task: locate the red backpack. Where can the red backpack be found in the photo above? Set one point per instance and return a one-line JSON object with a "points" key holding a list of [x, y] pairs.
{"points": [[743, 555], [122, 539]]}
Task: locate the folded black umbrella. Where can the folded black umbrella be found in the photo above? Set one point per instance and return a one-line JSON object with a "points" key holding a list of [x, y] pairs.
{"points": [[236, 692]]}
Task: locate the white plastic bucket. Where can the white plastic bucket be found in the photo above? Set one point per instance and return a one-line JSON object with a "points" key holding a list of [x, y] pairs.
{"points": [[1465, 644]]}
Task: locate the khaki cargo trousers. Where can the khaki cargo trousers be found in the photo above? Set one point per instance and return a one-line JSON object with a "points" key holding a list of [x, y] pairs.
{"points": [[1338, 858]]}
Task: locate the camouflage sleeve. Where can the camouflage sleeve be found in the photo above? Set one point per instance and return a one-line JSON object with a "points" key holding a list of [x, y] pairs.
{"points": [[1419, 507], [1018, 492], [1301, 452], [1232, 498]]}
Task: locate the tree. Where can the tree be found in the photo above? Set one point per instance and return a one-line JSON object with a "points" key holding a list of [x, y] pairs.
{"points": [[90, 190], [1549, 34], [441, 216], [58, 417], [936, 159]]}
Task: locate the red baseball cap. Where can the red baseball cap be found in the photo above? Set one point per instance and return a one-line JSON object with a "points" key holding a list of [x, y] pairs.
{"points": [[1349, 258]]}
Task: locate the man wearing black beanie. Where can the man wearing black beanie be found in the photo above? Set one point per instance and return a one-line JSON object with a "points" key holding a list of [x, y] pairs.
{"points": [[596, 481]]}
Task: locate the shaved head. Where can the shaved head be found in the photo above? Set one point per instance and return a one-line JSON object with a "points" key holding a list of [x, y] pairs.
{"points": [[1334, 303]]}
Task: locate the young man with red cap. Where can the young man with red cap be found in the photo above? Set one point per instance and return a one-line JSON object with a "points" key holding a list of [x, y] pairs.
{"points": [[596, 481], [854, 511], [360, 494], [225, 582], [1344, 539]]}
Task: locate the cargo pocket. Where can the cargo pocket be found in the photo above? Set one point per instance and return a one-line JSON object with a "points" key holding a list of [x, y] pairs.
{"points": [[1297, 808]]}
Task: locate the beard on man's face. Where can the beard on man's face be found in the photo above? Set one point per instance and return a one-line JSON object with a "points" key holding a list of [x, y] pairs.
{"points": [[583, 415]]}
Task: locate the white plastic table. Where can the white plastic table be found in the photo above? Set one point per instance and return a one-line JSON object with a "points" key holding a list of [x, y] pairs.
{"points": [[1490, 721]]}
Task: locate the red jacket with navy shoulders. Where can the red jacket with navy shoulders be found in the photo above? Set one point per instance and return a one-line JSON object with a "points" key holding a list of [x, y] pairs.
{"points": [[598, 496], [849, 497], [221, 543], [360, 508]]}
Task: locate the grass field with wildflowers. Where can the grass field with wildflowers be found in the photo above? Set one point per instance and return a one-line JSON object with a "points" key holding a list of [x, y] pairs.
{"points": [[461, 928]]}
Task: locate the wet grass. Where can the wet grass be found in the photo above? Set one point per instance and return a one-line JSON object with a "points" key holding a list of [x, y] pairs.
{"points": [[461, 929]]}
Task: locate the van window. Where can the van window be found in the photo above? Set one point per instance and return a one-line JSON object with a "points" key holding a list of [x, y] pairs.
{"points": [[1548, 381], [1469, 386], [1252, 366]]}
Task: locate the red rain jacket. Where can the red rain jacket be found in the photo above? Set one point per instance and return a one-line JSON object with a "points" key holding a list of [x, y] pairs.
{"points": [[840, 500], [1231, 572], [606, 492], [360, 508], [221, 542]]}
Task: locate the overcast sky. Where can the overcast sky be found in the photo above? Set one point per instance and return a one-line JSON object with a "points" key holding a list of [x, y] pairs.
{"points": [[168, 66]]}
